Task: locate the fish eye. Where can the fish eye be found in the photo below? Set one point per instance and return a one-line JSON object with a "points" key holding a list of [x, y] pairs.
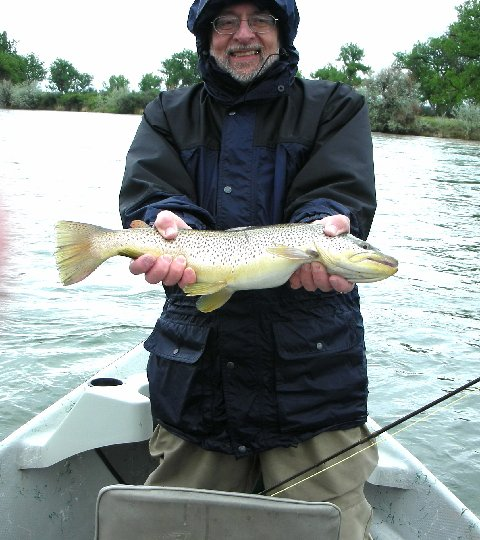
{"points": [[365, 245]]}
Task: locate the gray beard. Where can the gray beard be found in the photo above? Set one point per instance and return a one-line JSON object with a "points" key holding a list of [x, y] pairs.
{"points": [[244, 78]]}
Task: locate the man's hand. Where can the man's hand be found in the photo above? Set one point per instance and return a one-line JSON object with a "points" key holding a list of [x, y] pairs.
{"points": [[314, 276], [165, 269]]}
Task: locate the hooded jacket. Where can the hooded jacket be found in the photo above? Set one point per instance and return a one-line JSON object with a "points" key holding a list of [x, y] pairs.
{"points": [[277, 366]]}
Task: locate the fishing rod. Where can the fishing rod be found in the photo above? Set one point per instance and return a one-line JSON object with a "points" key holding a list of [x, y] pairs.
{"points": [[372, 436]]}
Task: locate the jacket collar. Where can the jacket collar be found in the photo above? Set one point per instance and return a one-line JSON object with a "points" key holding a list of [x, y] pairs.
{"points": [[275, 82]]}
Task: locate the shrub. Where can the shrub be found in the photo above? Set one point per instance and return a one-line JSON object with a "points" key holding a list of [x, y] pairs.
{"points": [[48, 101], [393, 101], [6, 89], [77, 101], [468, 114], [122, 101], [26, 95]]}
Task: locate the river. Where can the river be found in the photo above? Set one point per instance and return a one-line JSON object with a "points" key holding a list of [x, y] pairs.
{"points": [[422, 325]]}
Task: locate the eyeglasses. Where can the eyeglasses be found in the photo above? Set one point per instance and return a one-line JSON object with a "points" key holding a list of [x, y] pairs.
{"points": [[229, 24]]}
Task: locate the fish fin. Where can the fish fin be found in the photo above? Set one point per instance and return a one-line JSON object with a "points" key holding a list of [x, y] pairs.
{"points": [[288, 252], [201, 287], [211, 302], [213, 295], [75, 255], [139, 224]]}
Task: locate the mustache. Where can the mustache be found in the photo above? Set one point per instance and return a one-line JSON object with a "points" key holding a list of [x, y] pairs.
{"points": [[256, 48]]}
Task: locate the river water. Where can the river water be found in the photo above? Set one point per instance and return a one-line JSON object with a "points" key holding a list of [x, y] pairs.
{"points": [[422, 325]]}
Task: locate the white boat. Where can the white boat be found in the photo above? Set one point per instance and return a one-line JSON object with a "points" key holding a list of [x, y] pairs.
{"points": [[75, 471]]}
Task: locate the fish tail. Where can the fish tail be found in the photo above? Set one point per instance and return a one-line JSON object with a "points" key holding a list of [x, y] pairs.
{"points": [[76, 255]]}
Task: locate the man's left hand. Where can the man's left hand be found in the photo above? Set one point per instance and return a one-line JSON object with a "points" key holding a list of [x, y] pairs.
{"points": [[313, 276]]}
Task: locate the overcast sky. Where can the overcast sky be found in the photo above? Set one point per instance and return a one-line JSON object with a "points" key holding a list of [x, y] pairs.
{"points": [[106, 38]]}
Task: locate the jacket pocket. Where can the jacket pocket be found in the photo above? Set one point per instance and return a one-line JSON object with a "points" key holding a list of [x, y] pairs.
{"points": [[177, 374], [321, 378], [316, 337], [177, 341]]}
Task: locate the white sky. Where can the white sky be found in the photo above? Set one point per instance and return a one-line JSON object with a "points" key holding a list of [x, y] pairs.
{"points": [[105, 38]]}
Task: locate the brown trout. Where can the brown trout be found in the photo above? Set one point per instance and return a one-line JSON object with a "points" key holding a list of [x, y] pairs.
{"points": [[224, 261]]}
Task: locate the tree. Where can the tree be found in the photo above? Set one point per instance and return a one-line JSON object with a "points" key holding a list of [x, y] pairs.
{"points": [[350, 56], [465, 34], [34, 70], [329, 73], [180, 69], [435, 66], [448, 67], [65, 78], [17, 68], [150, 82], [117, 82], [11, 67], [82, 83], [6, 45]]}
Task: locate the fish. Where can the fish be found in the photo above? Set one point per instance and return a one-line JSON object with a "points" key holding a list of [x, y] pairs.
{"points": [[244, 258]]}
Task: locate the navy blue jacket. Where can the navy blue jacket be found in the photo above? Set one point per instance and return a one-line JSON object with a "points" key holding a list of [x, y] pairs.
{"points": [[277, 366]]}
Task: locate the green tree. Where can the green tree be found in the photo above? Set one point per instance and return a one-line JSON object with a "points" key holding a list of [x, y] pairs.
{"points": [[34, 69], [83, 83], [17, 68], [351, 56], [448, 67], [180, 69], [6, 45], [117, 82], [65, 78], [435, 66], [465, 35], [11, 67], [150, 82], [329, 73]]}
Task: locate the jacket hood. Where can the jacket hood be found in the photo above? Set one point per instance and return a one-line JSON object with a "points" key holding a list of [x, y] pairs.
{"points": [[218, 82], [202, 12]]}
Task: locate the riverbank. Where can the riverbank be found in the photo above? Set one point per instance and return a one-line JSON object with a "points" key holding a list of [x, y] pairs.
{"points": [[464, 125], [445, 128], [423, 126]]}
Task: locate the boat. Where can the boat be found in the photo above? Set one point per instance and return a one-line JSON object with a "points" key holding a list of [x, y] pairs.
{"points": [[75, 471]]}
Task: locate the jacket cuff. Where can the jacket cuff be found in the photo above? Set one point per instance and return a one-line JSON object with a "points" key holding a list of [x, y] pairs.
{"points": [[320, 208]]}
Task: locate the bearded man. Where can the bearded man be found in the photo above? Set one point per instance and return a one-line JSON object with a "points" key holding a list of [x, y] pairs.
{"points": [[275, 380]]}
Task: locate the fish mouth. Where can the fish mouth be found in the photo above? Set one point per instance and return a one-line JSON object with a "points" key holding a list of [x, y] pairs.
{"points": [[376, 258], [384, 261], [368, 267]]}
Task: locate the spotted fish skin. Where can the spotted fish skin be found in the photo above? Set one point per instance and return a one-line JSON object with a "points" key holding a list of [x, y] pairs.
{"points": [[224, 261]]}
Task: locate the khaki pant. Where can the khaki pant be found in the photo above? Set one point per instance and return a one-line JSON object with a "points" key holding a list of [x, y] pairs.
{"points": [[183, 464]]}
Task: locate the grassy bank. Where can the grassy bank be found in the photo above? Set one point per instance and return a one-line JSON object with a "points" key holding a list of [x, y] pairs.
{"points": [[446, 128]]}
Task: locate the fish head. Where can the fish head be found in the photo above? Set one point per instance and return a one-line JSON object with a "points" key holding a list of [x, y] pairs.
{"points": [[355, 259]]}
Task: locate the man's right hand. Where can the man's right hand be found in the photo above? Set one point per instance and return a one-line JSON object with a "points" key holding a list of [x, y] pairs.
{"points": [[165, 269]]}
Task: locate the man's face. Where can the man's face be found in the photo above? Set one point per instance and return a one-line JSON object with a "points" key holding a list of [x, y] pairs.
{"points": [[242, 54]]}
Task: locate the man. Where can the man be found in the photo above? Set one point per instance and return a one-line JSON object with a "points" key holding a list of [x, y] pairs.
{"points": [[275, 380]]}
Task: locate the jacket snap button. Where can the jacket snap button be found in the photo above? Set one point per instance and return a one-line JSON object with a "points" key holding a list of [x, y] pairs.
{"points": [[227, 189], [175, 351], [230, 365], [232, 113], [319, 346], [242, 449], [281, 88]]}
